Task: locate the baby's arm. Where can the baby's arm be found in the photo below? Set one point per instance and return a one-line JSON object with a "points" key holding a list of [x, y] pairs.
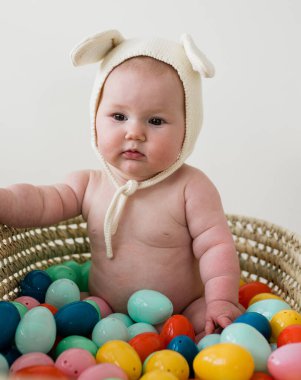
{"points": [[24, 205], [214, 247]]}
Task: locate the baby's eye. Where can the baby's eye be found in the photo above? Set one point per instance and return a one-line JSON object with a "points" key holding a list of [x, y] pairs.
{"points": [[156, 121], [119, 117]]}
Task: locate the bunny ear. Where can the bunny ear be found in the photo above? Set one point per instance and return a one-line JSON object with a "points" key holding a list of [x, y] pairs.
{"points": [[95, 48], [198, 60]]}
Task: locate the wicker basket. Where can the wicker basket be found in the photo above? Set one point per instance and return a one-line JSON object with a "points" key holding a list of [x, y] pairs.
{"points": [[267, 253]]}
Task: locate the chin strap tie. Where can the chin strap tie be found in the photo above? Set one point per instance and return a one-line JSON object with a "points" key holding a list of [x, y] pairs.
{"points": [[114, 212]]}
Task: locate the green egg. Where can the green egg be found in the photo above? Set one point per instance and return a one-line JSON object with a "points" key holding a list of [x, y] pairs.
{"points": [[3, 365], [56, 272], [22, 309], [75, 341], [74, 265], [83, 281]]}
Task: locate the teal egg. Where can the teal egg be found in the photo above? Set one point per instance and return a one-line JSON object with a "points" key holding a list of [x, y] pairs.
{"points": [[56, 272], [123, 317], [268, 307], [75, 341], [36, 331], [3, 365], [251, 339], [139, 328], [208, 340], [22, 309], [62, 292], [109, 329], [149, 306]]}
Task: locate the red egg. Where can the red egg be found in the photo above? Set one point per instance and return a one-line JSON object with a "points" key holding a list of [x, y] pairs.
{"points": [[248, 291], [39, 372], [146, 343], [290, 334], [176, 325], [261, 376], [52, 308]]}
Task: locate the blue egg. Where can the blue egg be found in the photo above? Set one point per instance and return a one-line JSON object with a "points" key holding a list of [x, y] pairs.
{"points": [[149, 306], [9, 320], [35, 285], [209, 340], [109, 329], [269, 307], [256, 320], [185, 346], [76, 318]]}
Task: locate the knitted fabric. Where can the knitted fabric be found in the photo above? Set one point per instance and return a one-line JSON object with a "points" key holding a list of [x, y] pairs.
{"points": [[111, 49]]}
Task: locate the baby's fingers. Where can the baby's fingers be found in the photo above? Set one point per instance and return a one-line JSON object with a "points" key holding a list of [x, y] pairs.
{"points": [[224, 321], [209, 327]]}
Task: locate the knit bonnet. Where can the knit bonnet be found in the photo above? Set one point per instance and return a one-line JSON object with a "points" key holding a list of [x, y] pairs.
{"points": [[110, 48]]}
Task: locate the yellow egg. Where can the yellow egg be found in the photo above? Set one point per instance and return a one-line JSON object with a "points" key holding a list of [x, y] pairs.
{"points": [[281, 320], [264, 296], [223, 361], [169, 361], [241, 282], [122, 354], [158, 375]]}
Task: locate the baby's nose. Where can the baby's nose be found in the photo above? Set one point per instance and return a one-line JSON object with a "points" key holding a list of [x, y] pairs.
{"points": [[135, 132]]}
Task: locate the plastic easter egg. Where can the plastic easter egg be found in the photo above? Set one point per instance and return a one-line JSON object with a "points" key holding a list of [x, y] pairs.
{"points": [[261, 376], [284, 363], [109, 329], [224, 361], [264, 296], [83, 281], [159, 375], [186, 347], [76, 341], [74, 361], [269, 307], [290, 334], [104, 307], [31, 359], [11, 354], [51, 308], [74, 265], [170, 361], [149, 306], [124, 318], [57, 272], [94, 304], [176, 325], [281, 320], [252, 340], [140, 328], [121, 353], [103, 371], [76, 318], [146, 343], [36, 331], [3, 365], [248, 291], [22, 309], [28, 302], [241, 282], [40, 372], [9, 320], [256, 320], [35, 284], [61, 292], [208, 340]]}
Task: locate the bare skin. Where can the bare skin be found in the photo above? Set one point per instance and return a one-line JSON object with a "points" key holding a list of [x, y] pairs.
{"points": [[173, 236]]}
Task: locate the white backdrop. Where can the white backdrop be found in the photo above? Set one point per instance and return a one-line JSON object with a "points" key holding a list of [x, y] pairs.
{"points": [[250, 142]]}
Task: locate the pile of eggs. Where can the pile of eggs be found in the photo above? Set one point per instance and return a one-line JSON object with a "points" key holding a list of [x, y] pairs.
{"points": [[51, 331]]}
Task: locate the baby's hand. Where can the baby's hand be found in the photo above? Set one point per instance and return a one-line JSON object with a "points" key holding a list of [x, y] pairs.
{"points": [[221, 314]]}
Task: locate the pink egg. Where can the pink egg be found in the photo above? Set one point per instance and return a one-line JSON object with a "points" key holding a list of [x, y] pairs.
{"points": [[27, 301], [74, 361], [31, 359], [284, 363], [104, 307], [103, 371]]}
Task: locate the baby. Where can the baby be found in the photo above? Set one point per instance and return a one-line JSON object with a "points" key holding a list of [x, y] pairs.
{"points": [[153, 221]]}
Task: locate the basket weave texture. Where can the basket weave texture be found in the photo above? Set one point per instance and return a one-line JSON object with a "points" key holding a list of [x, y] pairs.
{"points": [[267, 253]]}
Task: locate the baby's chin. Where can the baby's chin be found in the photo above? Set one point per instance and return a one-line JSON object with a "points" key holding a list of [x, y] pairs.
{"points": [[126, 175]]}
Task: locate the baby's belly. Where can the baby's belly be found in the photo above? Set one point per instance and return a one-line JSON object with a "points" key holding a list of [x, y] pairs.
{"points": [[171, 271]]}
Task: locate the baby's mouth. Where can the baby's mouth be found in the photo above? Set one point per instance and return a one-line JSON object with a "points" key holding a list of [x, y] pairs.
{"points": [[133, 154]]}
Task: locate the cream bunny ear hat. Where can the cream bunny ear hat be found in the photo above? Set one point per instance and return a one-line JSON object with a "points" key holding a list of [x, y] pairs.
{"points": [[111, 49]]}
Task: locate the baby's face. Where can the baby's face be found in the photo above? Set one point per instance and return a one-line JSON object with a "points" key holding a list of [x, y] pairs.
{"points": [[140, 121]]}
